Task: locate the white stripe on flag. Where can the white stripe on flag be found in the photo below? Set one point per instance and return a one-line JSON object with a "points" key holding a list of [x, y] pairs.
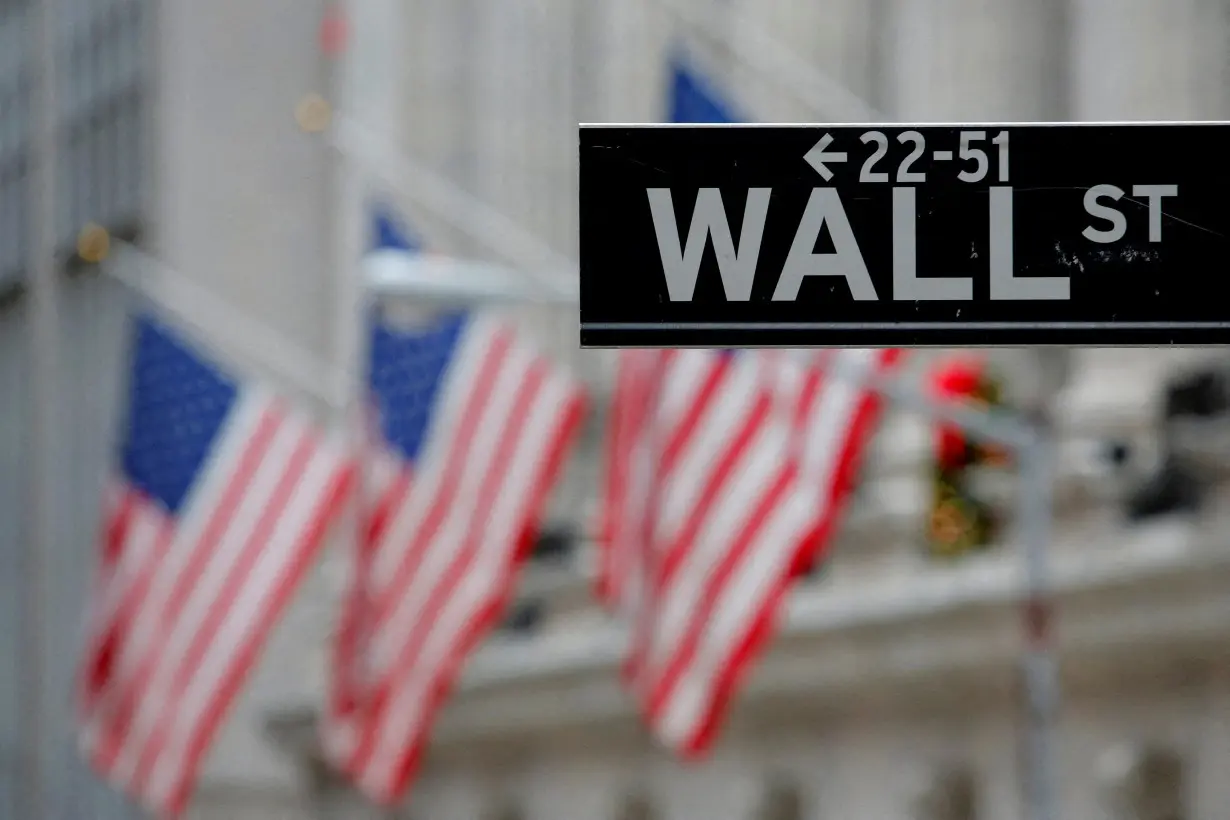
{"points": [[167, 655], [490, 573], [251, 615]]}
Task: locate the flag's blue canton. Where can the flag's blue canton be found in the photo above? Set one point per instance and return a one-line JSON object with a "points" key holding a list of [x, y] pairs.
{"points": [[177, 406], [389, 234], [407, 373], [692, 99]]}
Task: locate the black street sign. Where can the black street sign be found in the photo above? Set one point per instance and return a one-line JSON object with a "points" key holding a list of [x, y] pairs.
{"points": [[878, 235]]}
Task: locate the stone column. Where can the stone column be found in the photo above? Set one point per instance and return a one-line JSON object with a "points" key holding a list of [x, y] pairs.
{"points": [[982, 60], [240, 201], [954, 60], [378, 42], [1144, 60]]}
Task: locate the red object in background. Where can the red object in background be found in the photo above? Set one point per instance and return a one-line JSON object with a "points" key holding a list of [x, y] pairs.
{"points": [[333, 31], [956, 380]]}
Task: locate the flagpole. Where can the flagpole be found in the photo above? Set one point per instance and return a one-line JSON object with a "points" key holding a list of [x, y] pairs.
{"points": [[351, 292], [44, 378], [347, 194]]}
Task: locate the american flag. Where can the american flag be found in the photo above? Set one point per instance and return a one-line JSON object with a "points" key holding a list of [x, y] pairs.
{"points": [[837, 411], [471, 430], [217, 510], [725, 475]]}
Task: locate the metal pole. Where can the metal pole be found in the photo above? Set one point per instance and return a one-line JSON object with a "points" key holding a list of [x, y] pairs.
{"points": [[359, 64], [44, 378], [350, 288], [348, 233], [1039, 666], [377, 155]]}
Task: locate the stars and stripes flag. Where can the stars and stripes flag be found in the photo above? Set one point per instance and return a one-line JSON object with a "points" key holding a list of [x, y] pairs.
{"points": [[471, 427], [218, 507], [726, 475]]}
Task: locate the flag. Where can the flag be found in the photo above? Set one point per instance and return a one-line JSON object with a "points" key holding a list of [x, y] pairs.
{"points": [[628, 481], [470, 429], [726, 474], [837, 416], [692, 99], [218, 508]]}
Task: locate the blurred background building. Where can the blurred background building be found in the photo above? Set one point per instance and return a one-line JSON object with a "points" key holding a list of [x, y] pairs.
{"points": [[893, 691]]}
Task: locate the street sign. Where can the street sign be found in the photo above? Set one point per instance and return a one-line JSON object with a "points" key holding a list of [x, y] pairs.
{"points": [[905, 235]]}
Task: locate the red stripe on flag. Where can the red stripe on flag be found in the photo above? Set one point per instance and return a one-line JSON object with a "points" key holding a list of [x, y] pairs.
{"points": [[207, 628], [412, 643], [496, 458], [243, 660], [147, 728], [165, 617], [799, 499]]}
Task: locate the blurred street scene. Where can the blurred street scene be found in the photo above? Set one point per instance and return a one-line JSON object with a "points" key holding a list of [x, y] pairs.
{"points": [[196, 169]]}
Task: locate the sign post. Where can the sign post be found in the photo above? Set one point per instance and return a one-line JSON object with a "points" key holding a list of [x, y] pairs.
{"points": [[878, 235]]}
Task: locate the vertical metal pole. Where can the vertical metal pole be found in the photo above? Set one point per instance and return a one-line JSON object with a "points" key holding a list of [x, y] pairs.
{"points": [[350, 287], [44, 378], [357, 99], [347, 193], [1039, 663]]}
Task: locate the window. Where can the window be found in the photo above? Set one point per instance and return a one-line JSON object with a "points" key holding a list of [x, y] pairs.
{"points": [[14, 142], [950, 794], [505, 809], [1195, 404], [103, 75], [1144, 782], [637, 806], [782, 800], [525, 617], [555, 544]]}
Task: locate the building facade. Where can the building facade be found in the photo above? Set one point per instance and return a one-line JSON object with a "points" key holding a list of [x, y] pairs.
{"points": [[893, 691], [105, 90]]}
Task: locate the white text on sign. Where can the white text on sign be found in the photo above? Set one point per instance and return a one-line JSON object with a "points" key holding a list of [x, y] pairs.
{"points": [[737, 265], [971, 157], [974, 158], [1095, 205]]}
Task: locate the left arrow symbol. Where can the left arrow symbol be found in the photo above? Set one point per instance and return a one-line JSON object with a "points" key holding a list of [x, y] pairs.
{"points": [[817, 156]]}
